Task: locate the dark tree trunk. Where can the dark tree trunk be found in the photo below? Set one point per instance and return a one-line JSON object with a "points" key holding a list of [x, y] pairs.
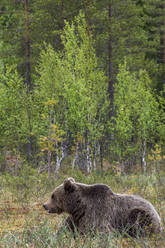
{"points": [[28, 72], [27, 43], [62, 15], [88, 14], [164, 43], [110, 63]]}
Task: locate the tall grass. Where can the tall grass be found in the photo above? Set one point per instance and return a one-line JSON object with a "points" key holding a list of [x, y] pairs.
{"points": [[25, 224]]}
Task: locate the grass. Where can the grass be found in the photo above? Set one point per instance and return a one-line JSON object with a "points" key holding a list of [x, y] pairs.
{"points": [[24, 223]]}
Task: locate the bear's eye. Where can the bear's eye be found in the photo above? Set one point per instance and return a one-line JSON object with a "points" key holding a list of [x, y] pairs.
{"points": [[53, 197]]}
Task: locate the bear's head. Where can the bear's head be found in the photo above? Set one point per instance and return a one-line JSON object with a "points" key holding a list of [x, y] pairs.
{"points": [[64, 198]]}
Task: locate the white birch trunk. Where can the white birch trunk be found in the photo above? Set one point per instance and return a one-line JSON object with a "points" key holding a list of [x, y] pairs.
{"points": [[144, 156], [89, 162], [49, 163], [75, 156], [59, 159], [96, 152]]}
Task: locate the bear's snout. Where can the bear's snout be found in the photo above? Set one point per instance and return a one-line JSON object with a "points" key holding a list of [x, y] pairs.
{"points": [[51, 208]]}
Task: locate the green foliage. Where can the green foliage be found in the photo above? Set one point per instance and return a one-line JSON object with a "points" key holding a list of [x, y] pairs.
{"points": [[13, 109], [85, 86], [49, 19], [49, 107], [27, 184], [74, 82], [137, 112], [68, 103]]}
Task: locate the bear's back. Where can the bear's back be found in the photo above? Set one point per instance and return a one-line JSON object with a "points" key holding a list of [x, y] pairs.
{"points": [[96, 190]]}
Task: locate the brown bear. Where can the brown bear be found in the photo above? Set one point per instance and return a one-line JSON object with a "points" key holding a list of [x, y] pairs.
{"points": [[96, 208]]}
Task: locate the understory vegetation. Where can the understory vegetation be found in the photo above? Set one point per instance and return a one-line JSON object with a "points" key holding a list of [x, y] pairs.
{"points": [[24, 223]]}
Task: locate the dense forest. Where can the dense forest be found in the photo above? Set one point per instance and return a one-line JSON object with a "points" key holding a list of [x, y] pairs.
{"points": [[81, 83]]}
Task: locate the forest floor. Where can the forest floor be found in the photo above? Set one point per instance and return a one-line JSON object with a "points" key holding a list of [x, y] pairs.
{"points": [[24, 223]]}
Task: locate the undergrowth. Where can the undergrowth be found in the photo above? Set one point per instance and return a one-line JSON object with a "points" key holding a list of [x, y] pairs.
{"points": [[24, 223]]}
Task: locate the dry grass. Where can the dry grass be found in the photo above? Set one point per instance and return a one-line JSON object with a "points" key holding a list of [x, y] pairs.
{"points": [[26, 224]]}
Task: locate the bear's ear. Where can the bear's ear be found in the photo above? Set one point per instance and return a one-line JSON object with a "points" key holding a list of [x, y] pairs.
{"points": [[69, 185]]}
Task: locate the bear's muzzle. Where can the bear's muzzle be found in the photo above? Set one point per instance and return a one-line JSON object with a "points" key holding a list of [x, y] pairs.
{"points": [[56, 210]]}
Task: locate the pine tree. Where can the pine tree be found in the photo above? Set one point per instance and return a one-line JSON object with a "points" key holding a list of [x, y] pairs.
{"points": [[153, 24]]}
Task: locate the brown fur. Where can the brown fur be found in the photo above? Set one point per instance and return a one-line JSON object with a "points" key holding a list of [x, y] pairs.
{"points": [[97, 208]]}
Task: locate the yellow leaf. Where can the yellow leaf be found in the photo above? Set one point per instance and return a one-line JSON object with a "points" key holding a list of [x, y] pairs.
{"points": [[54, 126]]}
